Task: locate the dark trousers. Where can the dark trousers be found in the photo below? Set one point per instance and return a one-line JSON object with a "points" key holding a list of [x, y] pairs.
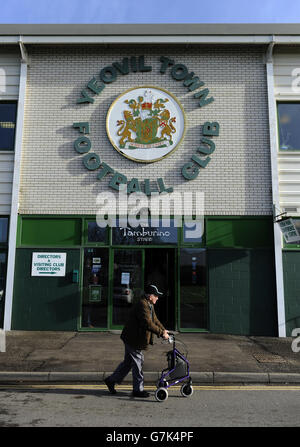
{"points": [[133, 360]]}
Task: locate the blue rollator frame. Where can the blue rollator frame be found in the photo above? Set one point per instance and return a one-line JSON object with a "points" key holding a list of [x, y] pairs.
{"points": [[178, 371]]}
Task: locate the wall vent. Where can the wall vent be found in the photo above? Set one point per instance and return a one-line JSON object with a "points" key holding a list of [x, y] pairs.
{"points": [[290, 209]]}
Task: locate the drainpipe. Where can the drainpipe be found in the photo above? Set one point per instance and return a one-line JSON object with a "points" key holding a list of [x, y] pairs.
{"points": [[15, 189], [275, 190]]}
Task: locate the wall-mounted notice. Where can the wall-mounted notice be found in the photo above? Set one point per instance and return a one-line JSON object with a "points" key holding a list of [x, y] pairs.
{"points": [[125, 278], [289, 231], [48, 264]]}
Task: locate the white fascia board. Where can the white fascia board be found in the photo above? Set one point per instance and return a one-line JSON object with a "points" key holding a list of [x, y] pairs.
{"points": [[150, 39], [6, 40], [145, 39], [288, 40]]}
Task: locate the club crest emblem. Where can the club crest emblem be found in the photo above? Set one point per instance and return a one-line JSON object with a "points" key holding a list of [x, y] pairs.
{"points": [[145, 124]]}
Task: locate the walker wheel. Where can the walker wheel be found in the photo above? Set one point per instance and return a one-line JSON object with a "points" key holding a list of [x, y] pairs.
{"points": [[161, 384], [186, 390], [161, 394]]}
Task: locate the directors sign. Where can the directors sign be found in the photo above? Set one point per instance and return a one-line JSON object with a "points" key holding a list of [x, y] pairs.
{"points": [[48, 264]]}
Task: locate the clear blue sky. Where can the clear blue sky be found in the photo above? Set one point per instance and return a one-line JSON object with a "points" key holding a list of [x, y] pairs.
{"points": [[149, 11]]}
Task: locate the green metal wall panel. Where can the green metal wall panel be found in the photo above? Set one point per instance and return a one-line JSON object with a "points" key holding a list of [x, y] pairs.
{"points": [[50, 231], [239, 232], [3, 268], [242, 293], [291, 272], [45, 303]]}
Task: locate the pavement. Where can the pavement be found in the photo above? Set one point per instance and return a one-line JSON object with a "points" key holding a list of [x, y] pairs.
{"points": [[76, 357]]}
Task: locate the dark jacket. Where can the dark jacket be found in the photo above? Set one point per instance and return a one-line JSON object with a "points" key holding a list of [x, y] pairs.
{"points": [[140, 327]]}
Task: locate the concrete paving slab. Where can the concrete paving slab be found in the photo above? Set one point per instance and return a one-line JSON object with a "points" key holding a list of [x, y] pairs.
{"points": [[210, 355]]}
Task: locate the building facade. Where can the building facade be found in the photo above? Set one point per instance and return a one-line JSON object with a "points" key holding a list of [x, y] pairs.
{"points": [[198, 118]]}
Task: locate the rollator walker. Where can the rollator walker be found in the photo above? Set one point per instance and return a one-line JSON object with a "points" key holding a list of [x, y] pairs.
{"points": [[178, 371]]}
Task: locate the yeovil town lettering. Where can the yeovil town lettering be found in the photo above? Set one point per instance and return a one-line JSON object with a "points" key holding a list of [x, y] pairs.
{"points": [[179, 72]]}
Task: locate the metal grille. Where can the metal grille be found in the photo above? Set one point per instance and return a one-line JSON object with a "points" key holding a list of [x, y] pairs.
{"points": [[268, 358]]}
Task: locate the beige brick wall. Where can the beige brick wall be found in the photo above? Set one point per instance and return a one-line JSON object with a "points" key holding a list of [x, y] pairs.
{"points": [[237, 181]]}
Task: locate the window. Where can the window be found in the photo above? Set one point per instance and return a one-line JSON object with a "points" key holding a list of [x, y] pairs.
{"points": [[3, 230], [289, 126], [95, 233], [193, 288], [193, 232], [8, 112]]}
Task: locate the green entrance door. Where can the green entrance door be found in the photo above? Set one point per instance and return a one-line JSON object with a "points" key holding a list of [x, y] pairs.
{"points": [[95, 287], [161, 270], [114, 280], [128, 283], [132, 270]]}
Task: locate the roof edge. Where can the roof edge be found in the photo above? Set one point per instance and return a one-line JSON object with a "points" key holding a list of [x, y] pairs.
{"points": [[177, 29]]}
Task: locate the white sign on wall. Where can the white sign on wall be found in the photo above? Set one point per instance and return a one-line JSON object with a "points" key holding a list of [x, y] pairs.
{"points": [[289, 231], [48, 264]]}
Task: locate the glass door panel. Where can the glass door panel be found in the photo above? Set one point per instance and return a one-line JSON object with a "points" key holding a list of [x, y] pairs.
{"points": [[128, 283], [95, 288], [193, 288]]}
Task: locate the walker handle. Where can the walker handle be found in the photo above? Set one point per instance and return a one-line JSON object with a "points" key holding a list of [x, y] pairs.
{"points": [[171, 338]]}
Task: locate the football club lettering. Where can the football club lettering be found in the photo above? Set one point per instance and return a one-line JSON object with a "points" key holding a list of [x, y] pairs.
{"points": [[145, 124]]}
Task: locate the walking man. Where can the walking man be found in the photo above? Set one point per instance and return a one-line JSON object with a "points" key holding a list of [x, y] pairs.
{"points": [[137, 335]]}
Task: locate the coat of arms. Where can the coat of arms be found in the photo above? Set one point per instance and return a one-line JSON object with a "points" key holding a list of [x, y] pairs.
{"points": [[145, 126], [149, 120]]}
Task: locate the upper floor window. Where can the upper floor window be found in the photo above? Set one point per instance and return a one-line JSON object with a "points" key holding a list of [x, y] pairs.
{"points": [[8, 112], [289, 126], [3, 230]]}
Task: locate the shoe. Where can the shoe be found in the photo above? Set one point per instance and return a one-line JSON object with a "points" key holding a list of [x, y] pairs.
{"points": [[110, 385], [140, 394]]}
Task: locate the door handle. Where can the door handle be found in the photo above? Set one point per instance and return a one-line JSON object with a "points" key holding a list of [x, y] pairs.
{"points": [[75, 276]]}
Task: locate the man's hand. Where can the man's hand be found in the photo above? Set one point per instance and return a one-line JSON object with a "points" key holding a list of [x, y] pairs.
{"points": [[165, 335]]}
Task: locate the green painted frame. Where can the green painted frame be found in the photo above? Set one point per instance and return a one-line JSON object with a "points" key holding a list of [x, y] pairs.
{"points": [[108, 244]]}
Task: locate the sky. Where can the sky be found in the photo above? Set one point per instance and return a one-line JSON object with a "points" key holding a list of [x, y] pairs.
{"points": [[149, 11]]}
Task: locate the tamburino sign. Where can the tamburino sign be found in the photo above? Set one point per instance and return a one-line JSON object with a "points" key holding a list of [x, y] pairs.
{"points": [[48, 264], [145, 123]]}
